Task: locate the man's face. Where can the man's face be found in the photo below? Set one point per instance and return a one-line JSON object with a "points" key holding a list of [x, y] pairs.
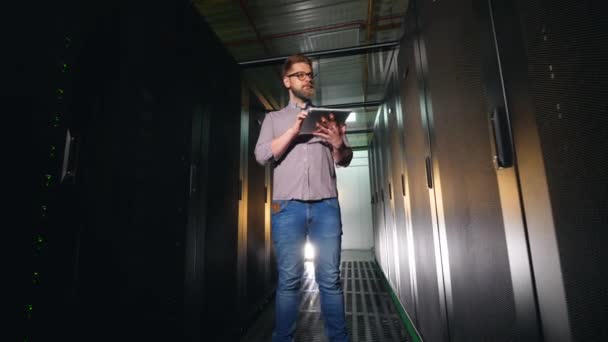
{"points": [[304, 89]]}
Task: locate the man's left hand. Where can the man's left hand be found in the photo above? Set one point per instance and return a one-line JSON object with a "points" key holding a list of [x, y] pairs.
{"points": [[331, 132]]}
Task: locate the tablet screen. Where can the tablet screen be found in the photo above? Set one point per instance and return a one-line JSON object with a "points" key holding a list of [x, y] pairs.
{"points": [[316, 113]]}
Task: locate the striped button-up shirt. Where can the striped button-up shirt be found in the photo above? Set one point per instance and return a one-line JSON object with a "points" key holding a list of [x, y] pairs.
{"points": [[306, 170]]}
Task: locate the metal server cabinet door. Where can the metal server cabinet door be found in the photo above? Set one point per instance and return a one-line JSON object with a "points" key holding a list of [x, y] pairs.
{"points": [[404, 239], [222, 236], [378, 245], [430, 311], [197, 214], [399, 236], [386, 244], [211, 267], [377, 198], [46, 101], [556, 80], [257, 291], [389, 218], [372, 185], [499, 114], [479, 293], [374, 190], [133, 179]]}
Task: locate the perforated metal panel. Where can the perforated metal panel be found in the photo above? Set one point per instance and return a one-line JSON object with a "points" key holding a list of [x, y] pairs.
{"points": [[566, 48], [368, 304], [370, 312]]}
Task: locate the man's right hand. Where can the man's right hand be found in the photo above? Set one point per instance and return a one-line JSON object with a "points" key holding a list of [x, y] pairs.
{"points": [[297, 125], [279, 145]]}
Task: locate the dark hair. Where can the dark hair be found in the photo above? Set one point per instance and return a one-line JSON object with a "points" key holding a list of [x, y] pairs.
{"points": [[293, 59]]}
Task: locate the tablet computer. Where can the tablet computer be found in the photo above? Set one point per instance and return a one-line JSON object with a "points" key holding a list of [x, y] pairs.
{"points": [[316, 113]]}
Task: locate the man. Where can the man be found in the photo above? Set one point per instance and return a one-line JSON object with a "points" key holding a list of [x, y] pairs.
{"points": [[304, 202]]}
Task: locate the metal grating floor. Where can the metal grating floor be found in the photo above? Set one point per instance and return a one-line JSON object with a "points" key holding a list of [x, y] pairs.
{"points": [[370, 313]]}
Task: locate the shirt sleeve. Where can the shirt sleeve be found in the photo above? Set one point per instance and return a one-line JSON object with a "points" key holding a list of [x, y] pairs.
{"points": [[263, 152], [347, 144]]}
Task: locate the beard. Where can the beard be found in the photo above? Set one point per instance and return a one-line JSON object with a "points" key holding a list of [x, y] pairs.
{"points": [[304, 94]]}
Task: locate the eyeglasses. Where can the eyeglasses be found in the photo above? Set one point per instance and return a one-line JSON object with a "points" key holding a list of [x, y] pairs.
{"points": [[302, 75]]}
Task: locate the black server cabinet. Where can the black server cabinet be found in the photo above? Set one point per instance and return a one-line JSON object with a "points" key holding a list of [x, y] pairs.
{"points": [[45, 73], [388, 226], [143, 220], [132, 137], [382, 251], [479, 295], [461, 253], [374, 191], [223, 192], [213, 305], [504, 129], [261, 275], [404, 247], [429, 311], [556, 84]]}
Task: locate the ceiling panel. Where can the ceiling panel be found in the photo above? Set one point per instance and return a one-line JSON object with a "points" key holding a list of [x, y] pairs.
{"points": [[292, 26], [334, 40]]}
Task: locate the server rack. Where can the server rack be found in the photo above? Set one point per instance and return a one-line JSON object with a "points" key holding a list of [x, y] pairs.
{"points": [[144, 225], [499, 100]]}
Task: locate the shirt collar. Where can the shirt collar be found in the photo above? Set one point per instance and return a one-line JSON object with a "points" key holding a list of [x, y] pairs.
{"points": [[294, 105]]}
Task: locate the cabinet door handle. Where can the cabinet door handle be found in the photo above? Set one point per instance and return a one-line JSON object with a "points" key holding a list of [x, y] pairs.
{"points": [[68, 170], [503, 144], [429, 175], [193, 179]]}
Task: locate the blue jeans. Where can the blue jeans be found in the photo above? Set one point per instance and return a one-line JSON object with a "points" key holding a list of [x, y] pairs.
{"points": [[291, 222]]}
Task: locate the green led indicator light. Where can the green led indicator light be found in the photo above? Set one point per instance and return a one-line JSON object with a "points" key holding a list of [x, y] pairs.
{"points": [[52, 150], [60, 91], [64, 67], [28, 311], [39, 240], [56, 120], [36, 279], [47, 180]]}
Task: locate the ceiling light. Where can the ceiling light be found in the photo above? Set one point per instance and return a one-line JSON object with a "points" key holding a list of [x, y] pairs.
{"points": [[352, 117]]}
